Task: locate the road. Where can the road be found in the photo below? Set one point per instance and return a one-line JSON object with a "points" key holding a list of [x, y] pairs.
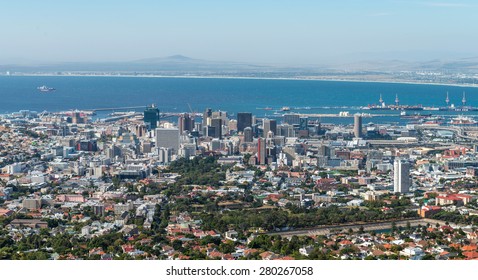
{"points": [[323, 230]]}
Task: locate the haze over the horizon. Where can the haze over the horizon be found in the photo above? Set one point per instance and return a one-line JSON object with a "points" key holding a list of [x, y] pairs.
{"points": [[278, 32]]}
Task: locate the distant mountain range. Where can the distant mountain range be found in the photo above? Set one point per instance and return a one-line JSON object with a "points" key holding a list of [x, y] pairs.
{"points": [[176, 63], [182, 65]]}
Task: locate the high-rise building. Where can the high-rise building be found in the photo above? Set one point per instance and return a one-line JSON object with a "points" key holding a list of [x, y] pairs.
{"points": [[291, 119], [269, 125], [168, 138], [232, 125], [206, 117], [286, 130], [401, 176], [217, 124], [303, 127], [164, 155], [185, 123], [151, 117], [243, 120], [140, 130], [357, 125], [303, 123], [209, 131], [248, 135], [261, 150], [77, 118]]}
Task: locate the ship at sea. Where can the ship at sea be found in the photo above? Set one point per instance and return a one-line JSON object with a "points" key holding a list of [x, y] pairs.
{"points": [[396, 106], [45, 88], [463, 120], [416, 116]]}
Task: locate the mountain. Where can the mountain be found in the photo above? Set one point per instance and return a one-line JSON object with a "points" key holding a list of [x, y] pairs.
{"points": [[176, 63], [183, 65]]}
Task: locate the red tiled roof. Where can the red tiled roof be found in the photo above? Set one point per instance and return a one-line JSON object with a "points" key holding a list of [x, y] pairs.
{"points": [[471, 255], [469, 248]]}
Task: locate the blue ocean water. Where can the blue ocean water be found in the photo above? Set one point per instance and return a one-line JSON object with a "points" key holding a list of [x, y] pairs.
{"points": [[231, 95]]}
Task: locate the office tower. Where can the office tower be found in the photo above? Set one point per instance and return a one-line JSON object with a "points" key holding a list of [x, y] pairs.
{"points": [[269, 125], [291, 119], [248, 136], [232, 125], [140, 130], [303, 127], [77, 118], [286, 130], [168, 138], [401, 176], [185, 123], [217, 124], [206, 117], [261, 150], [164, 155], [357, 125], [323, 150], [243, 120], [209, 131], [303, 123], [151, 117], [198, 126]]}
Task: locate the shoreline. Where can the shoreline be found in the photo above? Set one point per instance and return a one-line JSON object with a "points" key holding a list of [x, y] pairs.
{"points": [[247, 78]]}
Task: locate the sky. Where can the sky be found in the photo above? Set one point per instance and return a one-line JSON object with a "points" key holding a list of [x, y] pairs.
{"points": [[277, 32]]}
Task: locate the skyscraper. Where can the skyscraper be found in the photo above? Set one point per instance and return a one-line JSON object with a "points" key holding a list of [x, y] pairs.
{"points": [[248, 136], [269, 125], [401, 176], [357, 125], [206, 117], [261, 150], [217, 124], [151, 117], [243, 120], [168, 138], [286, 130], [303, 123], [291, 118], [209, 131], [303, 127], [185, 123]]}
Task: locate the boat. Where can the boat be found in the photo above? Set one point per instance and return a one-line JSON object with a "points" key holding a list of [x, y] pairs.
{"points": [[285, 108], [405, 115], [435, 120], [45, 88], [462, 120]]}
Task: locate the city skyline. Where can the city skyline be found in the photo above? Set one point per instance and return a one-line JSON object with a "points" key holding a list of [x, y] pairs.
{"points": [[265, 32]]}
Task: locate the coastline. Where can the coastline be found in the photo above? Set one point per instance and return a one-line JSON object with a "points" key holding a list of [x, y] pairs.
{"points": [[246, 78]]}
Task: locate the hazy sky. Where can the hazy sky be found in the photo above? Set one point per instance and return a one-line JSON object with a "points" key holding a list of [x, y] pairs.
{"points": [[261, 31]]}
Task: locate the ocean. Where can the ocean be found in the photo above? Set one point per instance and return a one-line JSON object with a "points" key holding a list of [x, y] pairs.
{"points": [[230, 95]]}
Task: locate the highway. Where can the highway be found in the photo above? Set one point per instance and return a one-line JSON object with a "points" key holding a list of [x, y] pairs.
{"points": [[460, 131], [376, 226]]}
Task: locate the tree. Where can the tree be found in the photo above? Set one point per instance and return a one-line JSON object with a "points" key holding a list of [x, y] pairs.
{"points": [[177, 244], [361, 229], [394, 227]]}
